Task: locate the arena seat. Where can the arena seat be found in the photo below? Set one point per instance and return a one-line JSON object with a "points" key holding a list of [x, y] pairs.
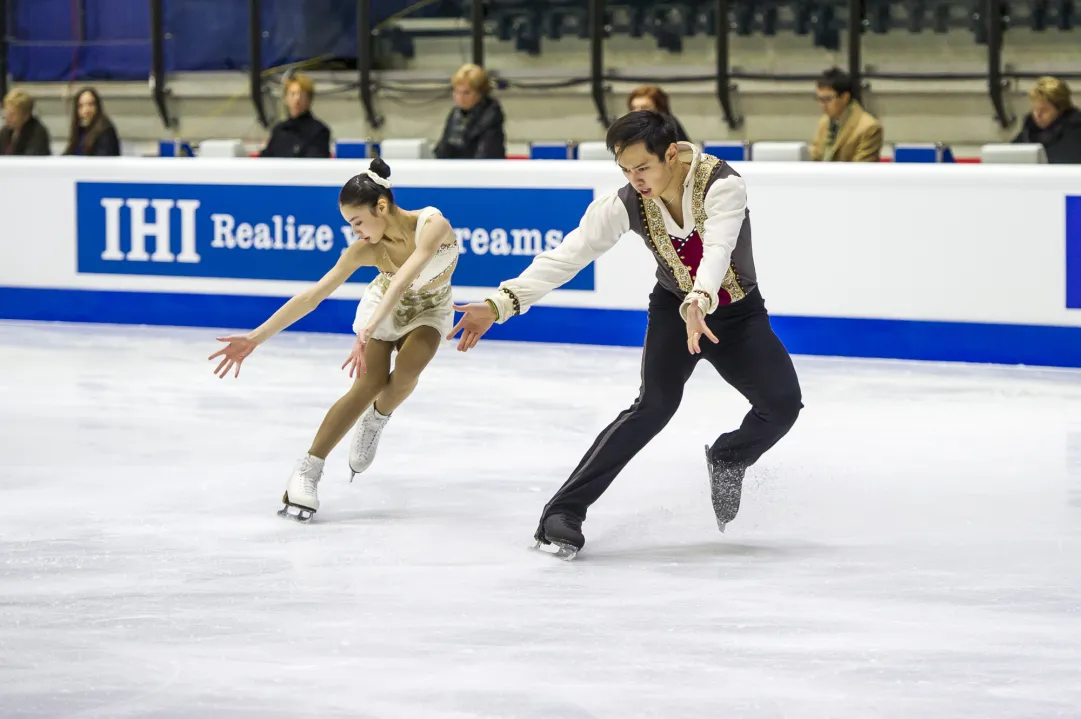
{"points": [[1014, 154]]}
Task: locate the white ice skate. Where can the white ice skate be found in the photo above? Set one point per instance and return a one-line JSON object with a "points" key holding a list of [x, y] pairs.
{"points": [[301, 496], [366, 440]]}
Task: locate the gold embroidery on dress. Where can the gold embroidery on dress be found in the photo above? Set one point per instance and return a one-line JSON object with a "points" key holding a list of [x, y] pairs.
{"points": [[445, 274], [413, 303]]}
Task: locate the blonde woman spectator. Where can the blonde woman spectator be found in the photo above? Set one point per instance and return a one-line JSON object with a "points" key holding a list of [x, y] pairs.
{"points": [[92, 132], [474, 128], [1054, 122], [846, 132], [301, 134], [23, 134], [651, 97]]}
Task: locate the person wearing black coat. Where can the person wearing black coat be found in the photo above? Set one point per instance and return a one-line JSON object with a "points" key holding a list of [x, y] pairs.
{"points": [[1054, 122], [92, 132], [22, 134], [652, 97], [474, 127], [301, 135]]}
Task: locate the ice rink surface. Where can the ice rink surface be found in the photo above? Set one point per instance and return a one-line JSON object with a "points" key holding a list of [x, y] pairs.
{"points": [[911, 549]]}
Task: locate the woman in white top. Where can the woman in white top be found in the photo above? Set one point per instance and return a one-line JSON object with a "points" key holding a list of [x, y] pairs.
{"points": [[407, 307]]}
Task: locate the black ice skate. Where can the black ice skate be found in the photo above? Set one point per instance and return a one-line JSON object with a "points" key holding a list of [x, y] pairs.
{"points": [[726, 487], [561, 535]]}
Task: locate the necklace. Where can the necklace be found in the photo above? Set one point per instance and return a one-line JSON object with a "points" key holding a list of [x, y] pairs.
{"points": [[677, 201]]}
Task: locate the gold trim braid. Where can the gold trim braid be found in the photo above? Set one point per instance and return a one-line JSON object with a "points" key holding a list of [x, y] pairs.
{"points": [[653, 221], [706, 165], [662, 242]]}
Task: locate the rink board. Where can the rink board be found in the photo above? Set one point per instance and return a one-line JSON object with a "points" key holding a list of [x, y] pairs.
{"points": [[938, 262]]}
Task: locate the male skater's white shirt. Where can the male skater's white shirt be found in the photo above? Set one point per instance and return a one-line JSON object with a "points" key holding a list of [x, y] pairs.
{"points": [[606, 220]]}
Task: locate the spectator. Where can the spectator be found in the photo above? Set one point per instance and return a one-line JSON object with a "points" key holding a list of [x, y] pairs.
{"points": [[1054, 122], [846, 132], [92, 132], [474, 128], [23, 134], [651, 97], [301, 135]]}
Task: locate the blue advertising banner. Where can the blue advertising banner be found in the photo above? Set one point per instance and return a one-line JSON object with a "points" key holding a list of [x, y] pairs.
{"points": [[274, 232], [1073, 253]]}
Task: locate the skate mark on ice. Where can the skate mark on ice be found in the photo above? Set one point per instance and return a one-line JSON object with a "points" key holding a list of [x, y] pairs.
{"points": [[697, 552]]}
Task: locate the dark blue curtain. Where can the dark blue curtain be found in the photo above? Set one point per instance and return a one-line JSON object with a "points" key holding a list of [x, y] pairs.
{"points": [[200, 35]]}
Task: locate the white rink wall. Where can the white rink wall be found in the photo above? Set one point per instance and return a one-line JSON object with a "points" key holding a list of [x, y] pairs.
{"points": [[939, 262]]}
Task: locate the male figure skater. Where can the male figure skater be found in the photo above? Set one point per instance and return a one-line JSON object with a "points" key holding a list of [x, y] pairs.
{"points": [[690, 208]]}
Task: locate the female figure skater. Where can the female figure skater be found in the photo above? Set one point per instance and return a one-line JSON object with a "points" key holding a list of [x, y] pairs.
{"points": [[407, 307]]}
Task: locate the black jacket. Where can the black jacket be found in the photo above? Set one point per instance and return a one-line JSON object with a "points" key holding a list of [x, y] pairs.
{"points": [[300, 136], [107, 144], [1061, 141], [33, 139], [681, 134], [482, 137]]}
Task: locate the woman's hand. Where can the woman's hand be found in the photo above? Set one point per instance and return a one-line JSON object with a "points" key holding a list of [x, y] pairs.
{"points": [[233, 354], [356, 356]]}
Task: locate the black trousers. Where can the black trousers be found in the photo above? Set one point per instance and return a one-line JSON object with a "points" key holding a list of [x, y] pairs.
{"points": [[749, 357]]}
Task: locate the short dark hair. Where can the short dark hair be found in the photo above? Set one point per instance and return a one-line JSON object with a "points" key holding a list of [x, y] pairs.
{"points": [[837, 80], [657, 131], [362, 190]]}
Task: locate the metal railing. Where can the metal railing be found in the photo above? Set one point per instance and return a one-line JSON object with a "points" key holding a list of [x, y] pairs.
{"points": [[4, 11], [993, 19], [365, 55], [255, 61], [158, 89]]}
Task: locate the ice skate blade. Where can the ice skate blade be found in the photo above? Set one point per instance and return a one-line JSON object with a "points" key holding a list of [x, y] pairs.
{"points": [[561, 550], [297, 514]]}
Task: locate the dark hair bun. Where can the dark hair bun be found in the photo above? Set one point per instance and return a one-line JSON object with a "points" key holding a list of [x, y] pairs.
{"points": [[380, 168]]}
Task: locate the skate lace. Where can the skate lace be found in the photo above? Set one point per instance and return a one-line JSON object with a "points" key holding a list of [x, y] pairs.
{"points": [[309, 475], [371, 433]]}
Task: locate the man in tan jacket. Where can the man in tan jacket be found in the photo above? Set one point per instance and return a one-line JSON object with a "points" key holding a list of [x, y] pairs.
{"points": [[846, 132]]}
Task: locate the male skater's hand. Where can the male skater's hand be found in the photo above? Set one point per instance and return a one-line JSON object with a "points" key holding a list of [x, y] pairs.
{"points": [[477, 318], [696, 327]]}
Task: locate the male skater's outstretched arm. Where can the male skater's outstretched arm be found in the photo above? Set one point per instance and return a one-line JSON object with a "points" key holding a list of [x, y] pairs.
{"points": [[604, 222]]}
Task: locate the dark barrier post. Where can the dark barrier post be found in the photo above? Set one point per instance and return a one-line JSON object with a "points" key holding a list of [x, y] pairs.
{"points": [[724, 78], [157, 62], [596, 59], [3, 48], [364, 61], [995, 83], [477, 27], [855, 46], [255, 60]]}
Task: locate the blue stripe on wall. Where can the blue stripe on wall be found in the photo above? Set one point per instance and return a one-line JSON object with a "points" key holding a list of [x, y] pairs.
{"points": [[894, 339]]}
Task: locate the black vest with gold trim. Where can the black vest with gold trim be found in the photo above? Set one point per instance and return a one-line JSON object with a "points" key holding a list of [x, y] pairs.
{"points": [[678, 258]]}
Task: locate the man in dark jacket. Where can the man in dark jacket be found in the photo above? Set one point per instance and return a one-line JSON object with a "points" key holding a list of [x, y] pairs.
{"points": [[22, 134], [302, 135], [474, 128], [1054, 122]]}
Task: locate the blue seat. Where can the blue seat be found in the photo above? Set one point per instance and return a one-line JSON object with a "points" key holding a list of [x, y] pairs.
{"points": [[170, 148], [727, 151], [552, 151], [355, 149], [922, 152]]}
